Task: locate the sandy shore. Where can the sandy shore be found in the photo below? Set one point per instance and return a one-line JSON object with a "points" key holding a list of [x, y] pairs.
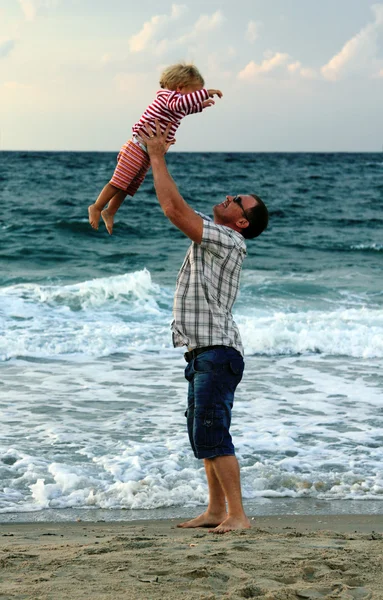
{"points": [[280, 558]]}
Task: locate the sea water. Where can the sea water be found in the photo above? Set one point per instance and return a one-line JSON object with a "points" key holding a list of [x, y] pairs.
{"points": [[92, 393]]}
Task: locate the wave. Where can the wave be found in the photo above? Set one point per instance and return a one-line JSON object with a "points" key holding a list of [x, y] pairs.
{"points": [[130, 313], [345, 332], [140, 478], [368, 247], [130, 287]]}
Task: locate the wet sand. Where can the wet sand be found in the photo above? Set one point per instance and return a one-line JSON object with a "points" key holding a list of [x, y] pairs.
{"points": [[280, 558]]}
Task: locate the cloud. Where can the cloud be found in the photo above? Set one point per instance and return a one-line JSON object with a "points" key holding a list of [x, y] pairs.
{"points": [[359, 53], [270, 63], [6, 47], [277, 63], [30, 8], [204, 24], [151, 36], [305, 72], [141, 40], [252, 31]]}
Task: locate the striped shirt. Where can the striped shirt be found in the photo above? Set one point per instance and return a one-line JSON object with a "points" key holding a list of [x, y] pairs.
{"points": [[206, 289], [171, 107]]}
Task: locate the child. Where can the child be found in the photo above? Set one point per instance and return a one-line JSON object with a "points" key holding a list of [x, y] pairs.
{"points": [[182, 94]]}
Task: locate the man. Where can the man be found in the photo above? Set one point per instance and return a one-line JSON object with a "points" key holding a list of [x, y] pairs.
{"points": [[207, 287]]}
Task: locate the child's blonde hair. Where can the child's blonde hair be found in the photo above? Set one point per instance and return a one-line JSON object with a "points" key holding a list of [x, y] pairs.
{"points": [[179, 75]]}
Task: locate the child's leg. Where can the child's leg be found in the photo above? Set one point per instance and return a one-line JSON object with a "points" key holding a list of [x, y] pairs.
{"points": [[113, 206], [94, 210]]}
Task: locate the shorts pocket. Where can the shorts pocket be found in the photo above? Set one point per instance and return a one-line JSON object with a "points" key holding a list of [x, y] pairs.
{"points": [[235, 372], [236, 366], [208, 427]]}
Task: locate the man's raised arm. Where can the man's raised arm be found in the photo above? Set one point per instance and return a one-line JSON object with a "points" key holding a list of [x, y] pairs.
{"points": [[174, 206]]}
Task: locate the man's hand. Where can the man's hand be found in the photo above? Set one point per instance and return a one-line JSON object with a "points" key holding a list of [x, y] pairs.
{"points": [[213, 93], [156, 144]]}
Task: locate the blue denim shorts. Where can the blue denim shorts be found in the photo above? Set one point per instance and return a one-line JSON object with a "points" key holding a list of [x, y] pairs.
{"points": [[213, 377]]}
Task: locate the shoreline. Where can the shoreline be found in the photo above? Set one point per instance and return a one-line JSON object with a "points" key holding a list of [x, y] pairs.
{"points": [[280, 558], [259, 507]]}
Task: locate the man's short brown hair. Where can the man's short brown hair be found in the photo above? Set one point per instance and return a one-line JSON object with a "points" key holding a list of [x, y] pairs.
{"points": [[258, 217]]}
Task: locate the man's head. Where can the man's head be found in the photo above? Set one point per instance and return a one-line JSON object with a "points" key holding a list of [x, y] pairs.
{"points": [[246, 214]]}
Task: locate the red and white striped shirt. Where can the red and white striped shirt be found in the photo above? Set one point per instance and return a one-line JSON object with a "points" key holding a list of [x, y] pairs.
{"points": [[171, 107]]}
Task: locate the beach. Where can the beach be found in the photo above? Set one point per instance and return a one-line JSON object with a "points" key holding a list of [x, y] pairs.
{"points": [[95, 465], [279, 558]]}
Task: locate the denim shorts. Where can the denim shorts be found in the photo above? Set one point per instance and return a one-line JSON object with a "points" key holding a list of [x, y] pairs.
{"points": [[213, 376]]}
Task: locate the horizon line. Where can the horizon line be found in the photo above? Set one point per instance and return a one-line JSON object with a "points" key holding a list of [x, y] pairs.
{"points": [[214, 151]]}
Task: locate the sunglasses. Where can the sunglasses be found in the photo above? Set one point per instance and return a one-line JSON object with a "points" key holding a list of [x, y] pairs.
{"points": [[238, 200]]}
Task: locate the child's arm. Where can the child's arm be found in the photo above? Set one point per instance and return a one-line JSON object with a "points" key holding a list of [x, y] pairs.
{"points": [[192, 103]]}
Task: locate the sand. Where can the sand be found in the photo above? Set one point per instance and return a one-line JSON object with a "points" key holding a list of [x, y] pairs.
{"points": [[280, 558]]}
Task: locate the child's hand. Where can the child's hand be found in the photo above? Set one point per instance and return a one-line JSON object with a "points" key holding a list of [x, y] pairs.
{"points": [[207, 103], [213, 93]]}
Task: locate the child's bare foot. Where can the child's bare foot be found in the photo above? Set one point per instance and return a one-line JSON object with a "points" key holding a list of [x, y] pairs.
{"points": [[94, 215], [108, 220], [204, 520]]}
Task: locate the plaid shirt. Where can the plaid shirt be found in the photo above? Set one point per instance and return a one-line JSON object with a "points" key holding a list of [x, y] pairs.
{"points": [[206, 289]]}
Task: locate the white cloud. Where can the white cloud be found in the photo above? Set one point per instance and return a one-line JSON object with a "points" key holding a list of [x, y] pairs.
{"points": [[359, 53], [30, 8], [270, 63], [141, 40], [6, 47], [204, 24], [277, 63], [252, 31], [298, 69], [151, 36]]}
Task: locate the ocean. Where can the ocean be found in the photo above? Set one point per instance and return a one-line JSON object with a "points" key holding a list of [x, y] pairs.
{"points": [[92, 393]]}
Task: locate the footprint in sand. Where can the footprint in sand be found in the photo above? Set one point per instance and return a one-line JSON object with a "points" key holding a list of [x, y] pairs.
{"points": [[342, 593]]}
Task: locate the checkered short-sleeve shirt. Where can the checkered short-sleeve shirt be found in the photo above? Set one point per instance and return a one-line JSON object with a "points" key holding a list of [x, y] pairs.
{"points": [[206, 289]]}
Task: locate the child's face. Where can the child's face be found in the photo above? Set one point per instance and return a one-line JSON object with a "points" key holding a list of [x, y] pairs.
{"points": [[190, 88]]}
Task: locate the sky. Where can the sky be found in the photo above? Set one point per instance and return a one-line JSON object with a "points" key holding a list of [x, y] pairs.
{"points": [[296, 75]]}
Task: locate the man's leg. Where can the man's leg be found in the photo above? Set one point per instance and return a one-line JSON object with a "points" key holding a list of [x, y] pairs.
{"points": [[216, 510], [226, 469]]}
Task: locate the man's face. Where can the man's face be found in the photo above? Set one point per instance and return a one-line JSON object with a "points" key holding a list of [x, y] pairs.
{"points": [[230, 213]]}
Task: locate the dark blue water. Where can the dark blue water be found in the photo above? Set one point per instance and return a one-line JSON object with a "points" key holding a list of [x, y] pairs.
{"points": [[325, 209]]}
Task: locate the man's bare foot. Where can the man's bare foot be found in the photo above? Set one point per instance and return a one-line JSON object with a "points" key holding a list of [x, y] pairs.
{"points": [[108, 220], [204, 520], [94, 215], [232, 524]]}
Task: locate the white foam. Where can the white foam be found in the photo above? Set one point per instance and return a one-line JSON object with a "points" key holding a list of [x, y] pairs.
{"points": [[376, 247], [113, 435], [134, 287], [353, 332], [130, 313]]}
